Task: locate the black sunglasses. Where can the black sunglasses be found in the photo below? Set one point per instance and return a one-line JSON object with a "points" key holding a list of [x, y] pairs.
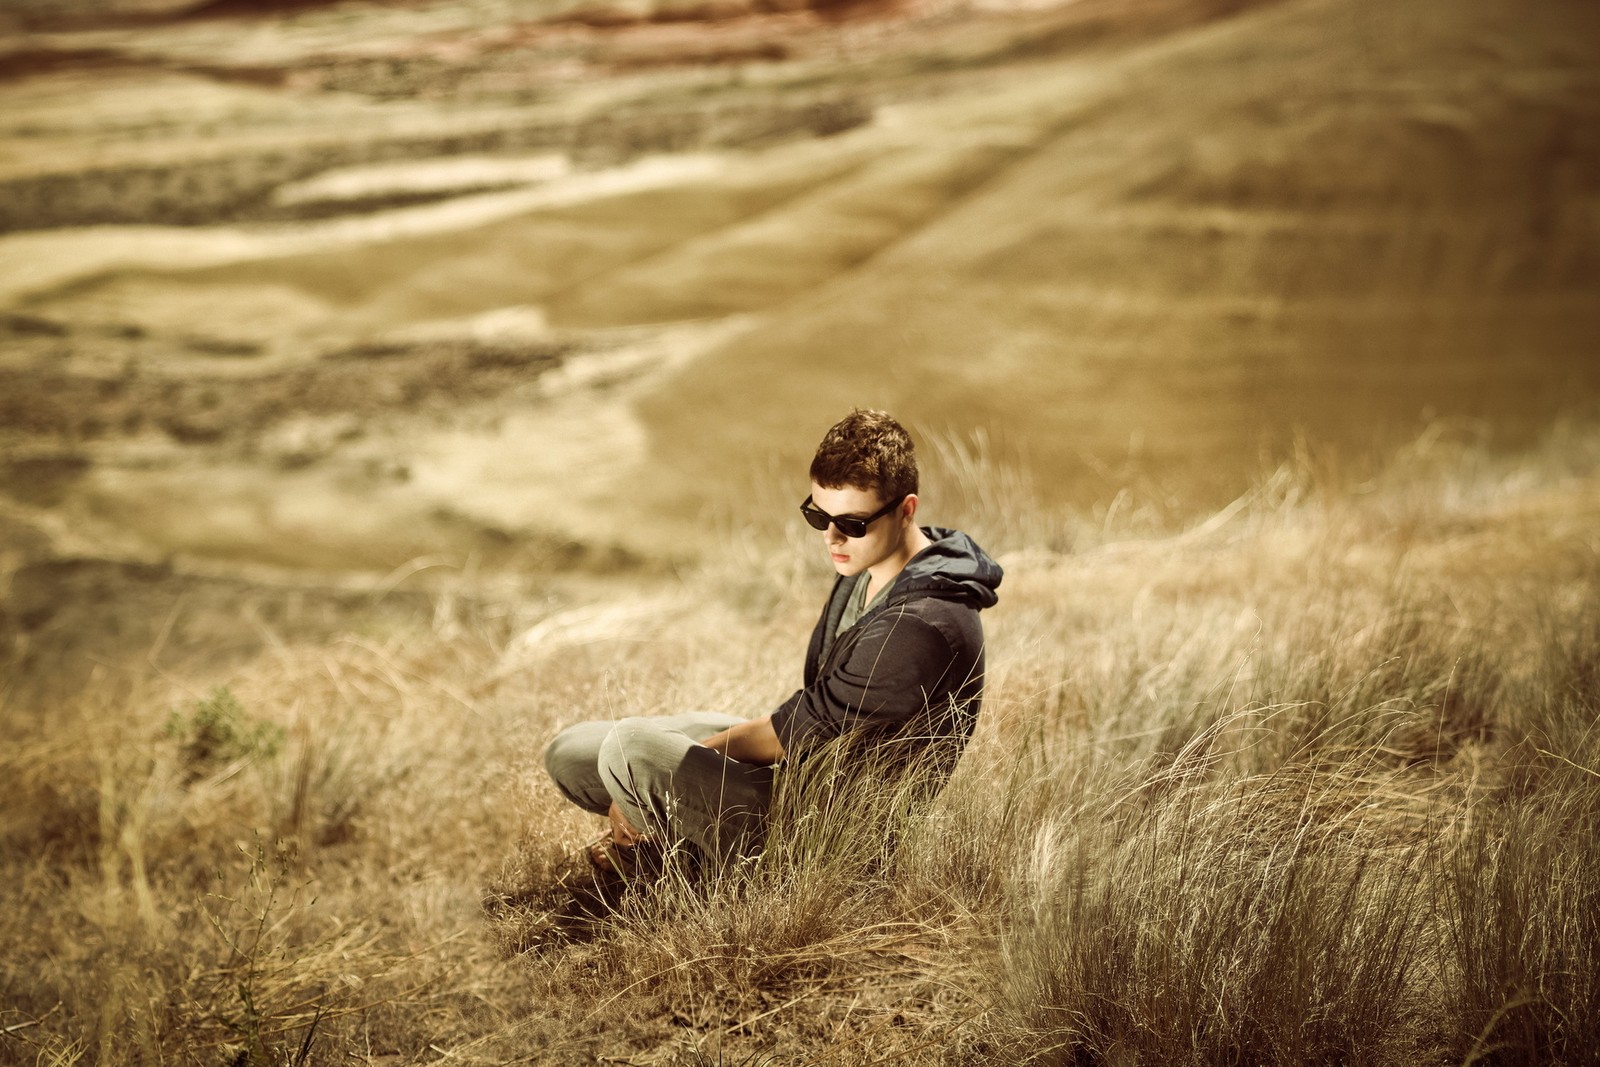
{"points": [[848, 526]]}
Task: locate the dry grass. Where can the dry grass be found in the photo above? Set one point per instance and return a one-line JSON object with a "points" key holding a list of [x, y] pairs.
{"points": [[1311, 782]]}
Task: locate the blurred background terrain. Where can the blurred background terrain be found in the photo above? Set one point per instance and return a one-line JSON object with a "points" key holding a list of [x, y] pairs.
{"points": [[296, 294]]}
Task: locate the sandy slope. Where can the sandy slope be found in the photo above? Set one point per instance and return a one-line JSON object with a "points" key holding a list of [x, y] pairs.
{"points": [[1334, 216], [366, 285]]}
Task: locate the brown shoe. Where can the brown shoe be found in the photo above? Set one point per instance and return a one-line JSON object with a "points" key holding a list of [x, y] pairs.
{"points": [[642, 862]]}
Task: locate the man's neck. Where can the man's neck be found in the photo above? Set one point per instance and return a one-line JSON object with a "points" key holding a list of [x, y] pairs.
{"points": [[882, 573]]}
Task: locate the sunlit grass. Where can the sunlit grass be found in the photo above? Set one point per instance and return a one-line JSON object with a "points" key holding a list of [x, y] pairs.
{"points": [[1312, 781]]}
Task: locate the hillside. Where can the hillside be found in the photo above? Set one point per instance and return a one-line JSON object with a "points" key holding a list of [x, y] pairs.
{"points": [[1327, 219], [364, 285], [1302, 785]]}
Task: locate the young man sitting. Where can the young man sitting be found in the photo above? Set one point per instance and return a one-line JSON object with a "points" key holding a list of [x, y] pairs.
{"points": [[896, 661]]}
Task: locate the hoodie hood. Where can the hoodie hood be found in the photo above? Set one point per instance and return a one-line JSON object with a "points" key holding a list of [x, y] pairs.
{"points": [[952, 568]]}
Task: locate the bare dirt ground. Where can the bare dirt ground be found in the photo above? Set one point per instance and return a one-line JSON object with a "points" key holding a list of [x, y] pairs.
{"points": [[310, 292]]}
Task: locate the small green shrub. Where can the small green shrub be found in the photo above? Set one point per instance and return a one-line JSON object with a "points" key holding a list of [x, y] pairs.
{"points": [[217, 730]]}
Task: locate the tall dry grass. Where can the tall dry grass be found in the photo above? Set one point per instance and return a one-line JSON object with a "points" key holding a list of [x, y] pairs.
{"points": [[1314, 781]]}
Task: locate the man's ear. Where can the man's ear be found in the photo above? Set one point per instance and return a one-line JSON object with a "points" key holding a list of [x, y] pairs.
{"points": [[908, 508]]}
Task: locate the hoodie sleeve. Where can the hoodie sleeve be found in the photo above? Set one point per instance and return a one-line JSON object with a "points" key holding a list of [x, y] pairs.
{"points": [[883, 683]]}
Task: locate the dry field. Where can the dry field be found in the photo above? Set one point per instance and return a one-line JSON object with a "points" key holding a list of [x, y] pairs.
{"points": [[1314, 781], [384, 386]]}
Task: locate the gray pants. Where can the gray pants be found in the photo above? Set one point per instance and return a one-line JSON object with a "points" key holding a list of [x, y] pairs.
{"points": [[664, 781]]}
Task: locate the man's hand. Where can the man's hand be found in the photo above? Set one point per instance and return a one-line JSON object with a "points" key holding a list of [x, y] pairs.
{"points": [[622, 831], [754, 742]]}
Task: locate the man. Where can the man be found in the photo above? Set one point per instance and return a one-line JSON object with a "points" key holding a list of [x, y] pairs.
{"points": [[896, 661]]}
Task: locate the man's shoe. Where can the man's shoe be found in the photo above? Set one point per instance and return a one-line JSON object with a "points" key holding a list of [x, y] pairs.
{"points": [[634, 864]]}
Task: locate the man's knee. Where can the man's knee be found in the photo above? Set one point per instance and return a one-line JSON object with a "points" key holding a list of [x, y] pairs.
{"points": [[637, 757], [571, 759], [565, 752]]}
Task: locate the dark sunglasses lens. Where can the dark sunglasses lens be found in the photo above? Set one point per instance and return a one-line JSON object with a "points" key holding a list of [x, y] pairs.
{"points": [[820, 519]]}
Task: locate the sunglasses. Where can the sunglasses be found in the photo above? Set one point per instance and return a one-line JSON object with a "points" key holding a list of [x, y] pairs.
{"points": [[850, 527]]}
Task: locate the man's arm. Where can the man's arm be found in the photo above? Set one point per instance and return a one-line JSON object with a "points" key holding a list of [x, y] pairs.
{"points": [[898, 663], [754, 741]]}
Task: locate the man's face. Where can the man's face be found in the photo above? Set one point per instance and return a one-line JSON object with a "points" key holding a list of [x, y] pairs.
{"points": [[852, 555]]}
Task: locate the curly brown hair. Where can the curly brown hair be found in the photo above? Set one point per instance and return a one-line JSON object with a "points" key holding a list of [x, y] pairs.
{"points": [[867, 450]]}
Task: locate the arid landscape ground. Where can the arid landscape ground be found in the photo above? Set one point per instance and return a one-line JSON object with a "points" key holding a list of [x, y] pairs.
{"points": [[384, 385]]}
